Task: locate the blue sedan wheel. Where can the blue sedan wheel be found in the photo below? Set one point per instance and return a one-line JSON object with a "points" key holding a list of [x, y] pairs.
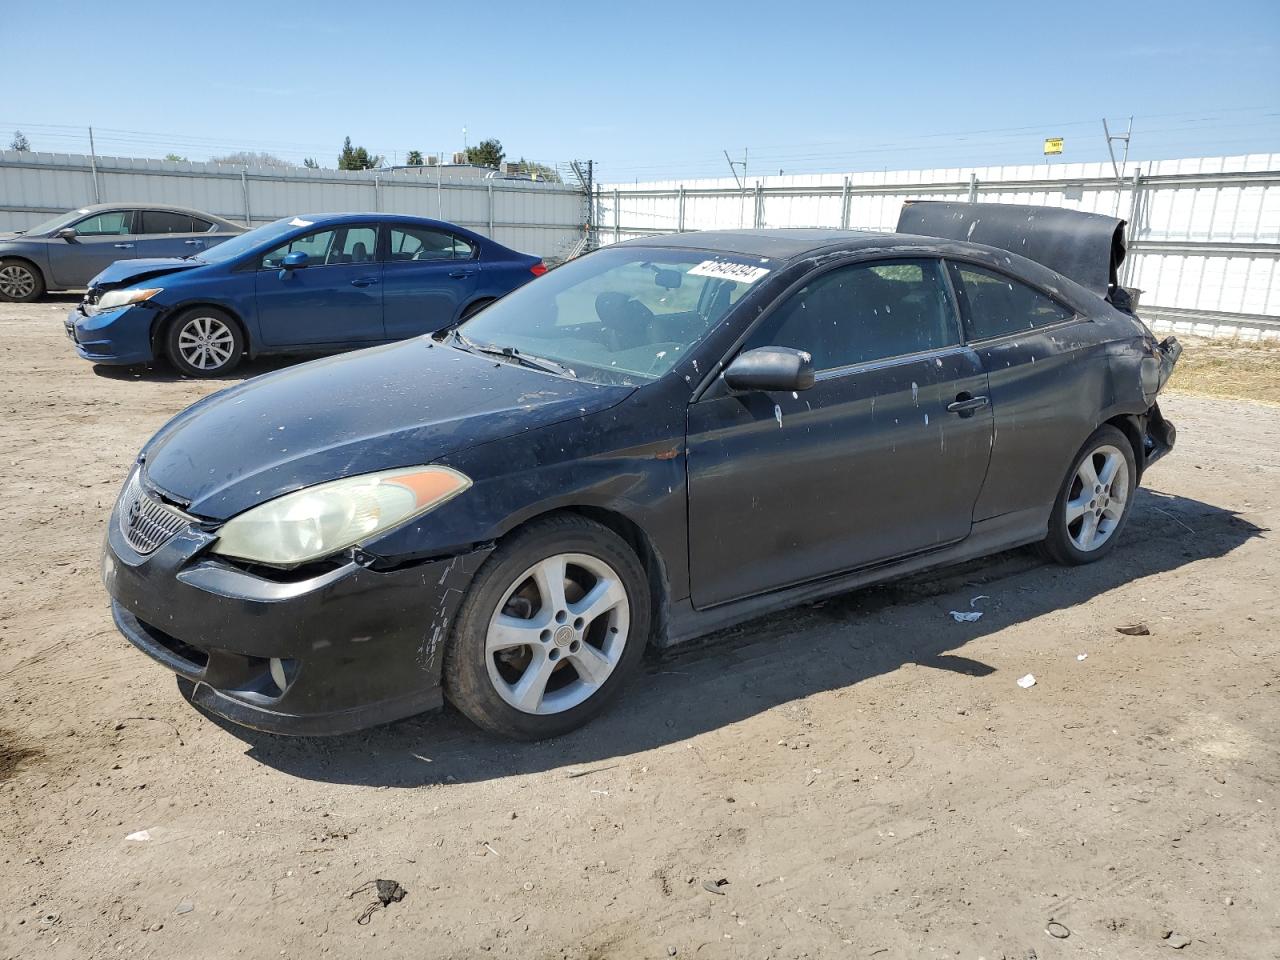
{"points": [[204, 342]]}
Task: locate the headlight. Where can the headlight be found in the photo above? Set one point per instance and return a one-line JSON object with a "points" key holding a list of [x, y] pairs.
{"points": [[322, 520], [119, 298]]}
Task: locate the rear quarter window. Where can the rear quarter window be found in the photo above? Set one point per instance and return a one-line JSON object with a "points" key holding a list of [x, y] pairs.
{"points": [[997, 305]]}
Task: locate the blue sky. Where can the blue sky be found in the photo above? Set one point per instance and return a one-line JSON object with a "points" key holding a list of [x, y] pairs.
{"points": [[647, 89]]}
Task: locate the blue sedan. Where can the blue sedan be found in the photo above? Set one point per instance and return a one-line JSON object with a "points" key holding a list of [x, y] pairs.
{"points": [[307, 284]]}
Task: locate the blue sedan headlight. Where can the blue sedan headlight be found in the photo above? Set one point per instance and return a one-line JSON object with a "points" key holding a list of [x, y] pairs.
{"points": [[121, 298]]}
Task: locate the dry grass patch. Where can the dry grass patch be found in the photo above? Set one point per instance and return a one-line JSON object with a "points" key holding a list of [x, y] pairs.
{"points": [[1240, 371]]}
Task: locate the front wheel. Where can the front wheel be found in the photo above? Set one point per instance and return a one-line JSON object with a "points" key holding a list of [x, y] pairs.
{"points": [[553, 625], [204, 342], [1094, 501]]}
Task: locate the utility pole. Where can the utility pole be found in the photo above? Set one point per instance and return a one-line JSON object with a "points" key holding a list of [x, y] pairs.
{"points": [[585, 172], [93, 167], [1111, 137], [733, 168], [1118, 170]]}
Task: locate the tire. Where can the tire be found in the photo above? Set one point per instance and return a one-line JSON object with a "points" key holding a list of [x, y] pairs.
{"points": [[548, 677], [204, 342], [1085, 525], [473, 308], [20, 281]]}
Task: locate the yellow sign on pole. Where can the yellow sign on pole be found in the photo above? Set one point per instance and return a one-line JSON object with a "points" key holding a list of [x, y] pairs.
{"points": [[1052, 145]]}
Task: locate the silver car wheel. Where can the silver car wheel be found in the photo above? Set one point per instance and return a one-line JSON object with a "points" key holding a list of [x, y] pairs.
{"points": [[558, 634], [206, 343], [1097, 500], [16, 281]]}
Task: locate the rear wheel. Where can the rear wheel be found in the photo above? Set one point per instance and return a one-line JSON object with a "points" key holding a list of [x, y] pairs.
{"points": [[204, 342], [1094, 501], [554, 623], [20, 281]]}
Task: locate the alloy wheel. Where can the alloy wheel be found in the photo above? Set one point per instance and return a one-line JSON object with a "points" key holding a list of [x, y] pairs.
{"points": [[1096, 503], [558, 634], [16, 281], [206, 343]]}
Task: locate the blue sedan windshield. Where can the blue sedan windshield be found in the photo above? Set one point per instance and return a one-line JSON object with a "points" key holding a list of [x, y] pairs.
{"points": [[262, 236]]}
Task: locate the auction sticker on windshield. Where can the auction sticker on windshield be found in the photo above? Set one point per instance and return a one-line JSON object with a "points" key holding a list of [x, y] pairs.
{"points": [[724, 270]]}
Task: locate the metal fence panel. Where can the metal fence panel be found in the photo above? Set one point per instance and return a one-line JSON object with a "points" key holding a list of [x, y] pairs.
{"points": [[1204, 233], [542, 219]]}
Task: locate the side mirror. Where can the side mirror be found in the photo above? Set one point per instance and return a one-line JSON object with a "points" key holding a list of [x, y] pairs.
{"points": [[67, 233], [294, 261], [771, 368]]}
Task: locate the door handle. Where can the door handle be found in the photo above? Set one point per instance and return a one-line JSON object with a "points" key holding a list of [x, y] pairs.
{"points": [[364, 282], [966, 404], [194, 243], [123, 246], [462, 273]]}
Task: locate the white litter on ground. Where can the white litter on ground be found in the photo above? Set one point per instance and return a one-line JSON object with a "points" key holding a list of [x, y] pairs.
{"points": [[1027, 681], [966, 616], [140, 835], [1082, 656]]}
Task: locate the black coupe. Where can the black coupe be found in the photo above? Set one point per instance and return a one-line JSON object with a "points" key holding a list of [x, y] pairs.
{"points": [[656, 440]]}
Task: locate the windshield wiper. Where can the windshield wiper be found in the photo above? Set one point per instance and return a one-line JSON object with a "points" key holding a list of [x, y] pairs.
{"points": [[524, 359]]}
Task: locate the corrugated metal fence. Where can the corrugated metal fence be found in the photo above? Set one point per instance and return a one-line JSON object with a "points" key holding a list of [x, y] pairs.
{"points": [[543, 219], [1204, 235]]}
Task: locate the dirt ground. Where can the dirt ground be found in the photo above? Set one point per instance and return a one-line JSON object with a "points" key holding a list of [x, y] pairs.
{"points": [[864, 775]]}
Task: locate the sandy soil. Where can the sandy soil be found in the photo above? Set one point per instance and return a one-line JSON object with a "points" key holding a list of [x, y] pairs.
{"points": [[865, 774]]}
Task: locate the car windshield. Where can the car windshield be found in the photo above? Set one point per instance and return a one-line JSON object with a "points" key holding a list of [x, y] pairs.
{"points": [[56, 223], [245, 242], [624, 315]]}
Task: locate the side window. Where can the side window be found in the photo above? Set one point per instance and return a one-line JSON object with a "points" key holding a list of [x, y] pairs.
{"points": [[164, 221], [113, 223], [200, 226], [461, 249], [417, 244], [314, 245], [997, 305], [865, 312], [359, 245]]}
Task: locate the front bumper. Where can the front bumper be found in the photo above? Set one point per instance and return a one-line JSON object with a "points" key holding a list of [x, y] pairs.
{"points": [[120, 336], [355, 646]]}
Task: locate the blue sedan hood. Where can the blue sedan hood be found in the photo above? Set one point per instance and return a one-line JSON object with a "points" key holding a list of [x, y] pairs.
{"points": [[400, 405], [124, 272]]}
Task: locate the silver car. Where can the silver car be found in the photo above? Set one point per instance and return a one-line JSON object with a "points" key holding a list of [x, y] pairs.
{"points": [[68, 251]]}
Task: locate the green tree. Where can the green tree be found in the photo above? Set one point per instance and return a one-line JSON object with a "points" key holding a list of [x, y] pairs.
{"points": [[357, 158], [310, 163], [538, 171], [414, 159], [20, 142], [250, 158], [174, 156], [486, 153]]}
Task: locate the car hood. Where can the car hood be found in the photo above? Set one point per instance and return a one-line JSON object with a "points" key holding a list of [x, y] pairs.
{"points": [[124, 272], [13, 236], [400, 405]]}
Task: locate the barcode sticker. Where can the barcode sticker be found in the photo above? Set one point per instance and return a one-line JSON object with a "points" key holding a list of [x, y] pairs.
{"points": [[724, 270]]}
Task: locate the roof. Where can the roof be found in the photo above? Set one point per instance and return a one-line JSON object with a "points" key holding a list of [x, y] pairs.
{"points": [[782, 244], [169, 207]]}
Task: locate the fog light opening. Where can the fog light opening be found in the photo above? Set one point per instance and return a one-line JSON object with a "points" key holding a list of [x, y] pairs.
{"points": [[277, 673]]}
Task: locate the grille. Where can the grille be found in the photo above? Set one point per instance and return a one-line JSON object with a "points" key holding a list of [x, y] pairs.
{"points": [[147, 524]]}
